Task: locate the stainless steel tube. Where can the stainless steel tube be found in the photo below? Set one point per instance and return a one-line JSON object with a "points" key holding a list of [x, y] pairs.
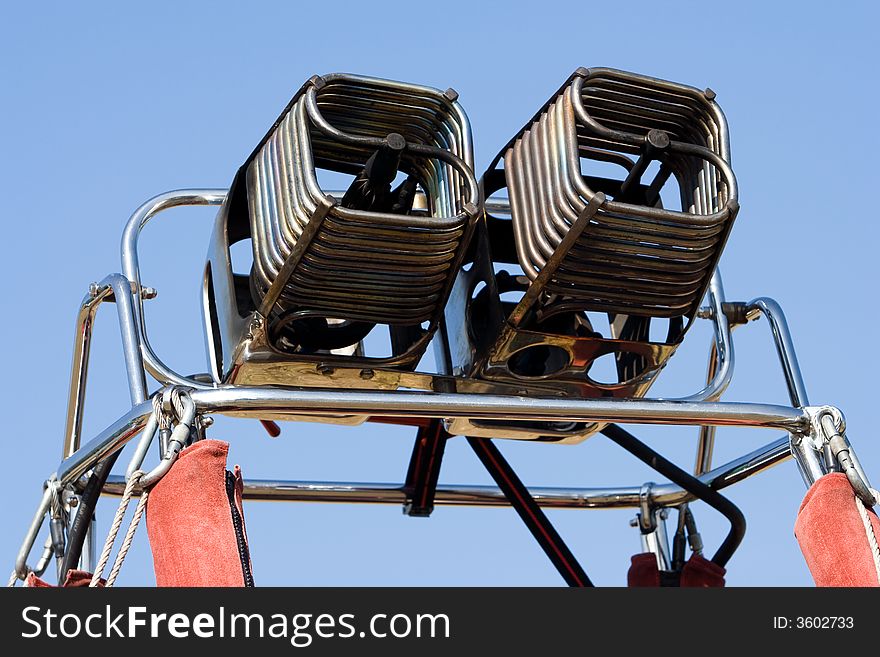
{"points": [[131, 344], [723, 369], [809, 460], [769, 308], [242, 400], [263, 400], [706, 442], [21, 567], [265, 490], [80, 366], [119, 288], [131, 268], [105, 443], [720, 371]]}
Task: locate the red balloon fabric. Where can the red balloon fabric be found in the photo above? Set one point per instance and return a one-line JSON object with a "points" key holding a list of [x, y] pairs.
{"points": [[832, 535], [697, 572], [190, 521]]}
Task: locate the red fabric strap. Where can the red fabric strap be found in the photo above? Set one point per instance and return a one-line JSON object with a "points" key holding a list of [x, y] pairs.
{"points": [[643, 571], [697, 572], [189, 520], [832, 535], [75, 579], [700, 572]]}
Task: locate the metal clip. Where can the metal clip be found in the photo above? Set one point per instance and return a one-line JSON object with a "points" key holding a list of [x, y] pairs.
{"points": [[652, 526], [176, 402], [57, 520], [646, 517], [45, 558], [832, 428]]}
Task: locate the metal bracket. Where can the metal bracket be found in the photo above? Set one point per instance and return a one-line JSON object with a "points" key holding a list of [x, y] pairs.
{"points": [[645, 517], [424, 469], [829, 438], [651, 522]]}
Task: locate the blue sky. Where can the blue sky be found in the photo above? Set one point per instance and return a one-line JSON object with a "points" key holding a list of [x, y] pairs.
{"points": [[104, 105]]}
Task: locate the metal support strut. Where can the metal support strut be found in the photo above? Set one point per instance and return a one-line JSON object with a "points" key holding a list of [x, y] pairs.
{"points": [[424, 469], [532, 515]]}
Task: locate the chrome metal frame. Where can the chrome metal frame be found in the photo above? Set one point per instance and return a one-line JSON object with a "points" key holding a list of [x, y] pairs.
{"points": [[439, 259], [423, 400]]}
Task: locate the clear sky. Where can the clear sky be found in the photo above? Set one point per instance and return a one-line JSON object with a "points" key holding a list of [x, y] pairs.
{"points": [[103, 105]]}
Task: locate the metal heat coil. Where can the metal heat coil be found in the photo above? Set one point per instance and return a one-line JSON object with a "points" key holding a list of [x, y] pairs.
{"points": [[602, 259], [630, 255], [367, 262]]}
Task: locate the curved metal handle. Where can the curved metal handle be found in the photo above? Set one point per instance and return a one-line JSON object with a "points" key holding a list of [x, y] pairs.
{"points": [[131, 269]]}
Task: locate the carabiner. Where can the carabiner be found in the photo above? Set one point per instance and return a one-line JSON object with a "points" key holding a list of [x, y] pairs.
{"points": [[841, 450], [185, 408], [177, 441]]}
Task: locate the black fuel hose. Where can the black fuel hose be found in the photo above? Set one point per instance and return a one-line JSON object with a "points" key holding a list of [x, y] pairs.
{"points": [[689, 483]]}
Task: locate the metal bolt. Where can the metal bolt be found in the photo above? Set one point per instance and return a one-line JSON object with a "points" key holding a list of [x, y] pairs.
{"points": [[634, 522], [255, 326], [657, 139], [149, 292], [73, 501], [93, 290], [324, 369], [367, 374]]}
